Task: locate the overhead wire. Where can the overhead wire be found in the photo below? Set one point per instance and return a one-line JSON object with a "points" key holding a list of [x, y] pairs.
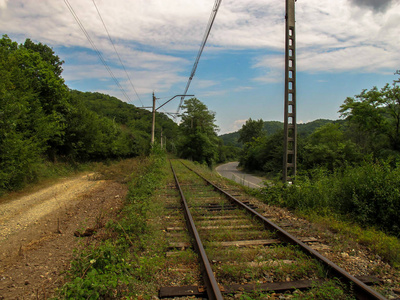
{"points": [[203, 44], [115, 49], [96, 49]]}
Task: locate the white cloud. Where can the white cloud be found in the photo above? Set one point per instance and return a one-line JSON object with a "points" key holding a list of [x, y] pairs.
{"points": [[243, 88], [340, 37], [237, 124], [153, 37], [3, 4]]}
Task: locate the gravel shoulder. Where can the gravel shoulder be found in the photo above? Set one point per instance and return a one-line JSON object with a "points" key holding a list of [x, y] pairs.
{"points": [[37, 232]]}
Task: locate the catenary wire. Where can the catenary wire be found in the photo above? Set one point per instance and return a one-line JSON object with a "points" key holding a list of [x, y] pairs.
{"points": [[203, 44], [96, 49], [119, 57]]}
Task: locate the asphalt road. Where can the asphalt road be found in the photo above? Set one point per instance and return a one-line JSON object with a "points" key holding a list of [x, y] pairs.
{"points": [[231, 172]]}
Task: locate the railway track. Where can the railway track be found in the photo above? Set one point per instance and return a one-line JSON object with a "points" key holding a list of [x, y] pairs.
{"points": [[241, 251]]}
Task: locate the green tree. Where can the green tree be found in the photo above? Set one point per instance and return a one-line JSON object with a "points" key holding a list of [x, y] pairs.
{"points": [[329, 148], [250, 130], [47, 55], [199, 139], [375, 116], [25, 126]]}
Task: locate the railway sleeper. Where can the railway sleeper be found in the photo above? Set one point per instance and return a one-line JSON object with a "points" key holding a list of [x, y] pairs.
{"points": [[244, 243], [277, 287], [360, 289]]}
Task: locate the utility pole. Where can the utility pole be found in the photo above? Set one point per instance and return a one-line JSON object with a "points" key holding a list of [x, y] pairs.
{"points": [[290, 123], [153, 125], [161, 139], [154, 109]]}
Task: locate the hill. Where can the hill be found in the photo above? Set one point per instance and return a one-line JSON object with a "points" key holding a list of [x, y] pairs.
{"points": [[271, 127]]}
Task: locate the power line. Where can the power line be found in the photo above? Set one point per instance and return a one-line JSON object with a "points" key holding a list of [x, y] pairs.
{"points": [[95, 49], [203, 44], [120, 60]]}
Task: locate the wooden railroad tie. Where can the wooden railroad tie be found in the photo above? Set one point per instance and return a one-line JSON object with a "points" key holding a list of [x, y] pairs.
{"points": [[277, 287]]}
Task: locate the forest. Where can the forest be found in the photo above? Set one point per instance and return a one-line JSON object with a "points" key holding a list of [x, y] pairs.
{"points": [[46, 127], [44, 124]]}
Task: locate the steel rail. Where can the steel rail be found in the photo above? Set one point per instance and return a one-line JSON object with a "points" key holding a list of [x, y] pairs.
{"points": [[212, 288], [362, 291]]}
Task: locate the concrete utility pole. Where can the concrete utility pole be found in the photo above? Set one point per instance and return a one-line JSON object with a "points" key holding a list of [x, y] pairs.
{"points": [[290, 123], [153, 125], [161, 139]]}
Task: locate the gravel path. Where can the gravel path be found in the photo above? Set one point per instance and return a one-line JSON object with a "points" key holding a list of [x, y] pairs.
{"points": [[37, 232], [19, 214]]}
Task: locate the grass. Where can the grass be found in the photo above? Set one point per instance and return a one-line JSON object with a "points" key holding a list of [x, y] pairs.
{"points": [[383, 245], [361, 203], [125, 264]]}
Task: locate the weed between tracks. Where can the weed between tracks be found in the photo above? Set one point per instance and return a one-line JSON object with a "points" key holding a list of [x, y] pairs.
{"points": [[254, 264]]}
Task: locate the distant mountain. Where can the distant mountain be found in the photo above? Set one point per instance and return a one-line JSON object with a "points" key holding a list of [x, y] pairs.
{"points": [[231, 139], [271, 127], [306, 129]]}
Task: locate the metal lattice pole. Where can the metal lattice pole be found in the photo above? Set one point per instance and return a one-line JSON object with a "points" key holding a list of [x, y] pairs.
{"points": [[290, 124]]}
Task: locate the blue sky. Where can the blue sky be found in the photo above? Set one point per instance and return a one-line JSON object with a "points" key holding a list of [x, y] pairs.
{"points": [[343, 46]]}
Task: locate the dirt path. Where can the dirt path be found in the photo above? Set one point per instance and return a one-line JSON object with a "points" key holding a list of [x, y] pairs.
{"points": [[37, 232]]}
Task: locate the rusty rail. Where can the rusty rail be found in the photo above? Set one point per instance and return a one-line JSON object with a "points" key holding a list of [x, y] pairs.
{"points": [[212, 288], [362, 291]]}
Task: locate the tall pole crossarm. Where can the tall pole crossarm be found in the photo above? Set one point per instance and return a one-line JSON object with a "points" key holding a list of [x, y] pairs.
{"points": [[290, 120], [183, 96]]}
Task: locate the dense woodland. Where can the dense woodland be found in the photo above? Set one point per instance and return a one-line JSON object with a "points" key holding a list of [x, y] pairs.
{"points": [[45, 125], [42, 121]]}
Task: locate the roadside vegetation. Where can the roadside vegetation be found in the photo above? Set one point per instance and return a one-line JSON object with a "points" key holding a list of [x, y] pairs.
{"points": [[348, 171], [46, 128], [125, 261]]}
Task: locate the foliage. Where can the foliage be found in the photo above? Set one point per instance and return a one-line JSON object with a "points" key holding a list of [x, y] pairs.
{"points": [[32, 107], [264, 154], [110, 269], [332, 289], [199, 140], [250, 130], [329, 148], [387, 247], [305, 129], [375, 115], [42, 120], [227, 153], [368, 194], [231, 139], [137, 121], [272, 127]]}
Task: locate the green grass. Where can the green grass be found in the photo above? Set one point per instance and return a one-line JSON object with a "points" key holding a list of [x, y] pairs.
{"points": [[386, 246], [362, 203], [125, 264]]}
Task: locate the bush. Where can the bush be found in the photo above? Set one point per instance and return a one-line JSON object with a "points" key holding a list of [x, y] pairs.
{"points": [[368, 194]]}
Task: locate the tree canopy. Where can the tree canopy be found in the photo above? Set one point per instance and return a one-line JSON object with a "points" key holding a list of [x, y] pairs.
{"points": [[199, 139], [375, 115], [42, 120], [252, 129]]}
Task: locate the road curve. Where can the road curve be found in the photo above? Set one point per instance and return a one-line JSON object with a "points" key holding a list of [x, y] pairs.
{"points": [[231, 172]]}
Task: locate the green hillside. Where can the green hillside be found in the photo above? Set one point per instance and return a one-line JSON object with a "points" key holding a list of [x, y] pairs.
{"points": [[272, 127]]}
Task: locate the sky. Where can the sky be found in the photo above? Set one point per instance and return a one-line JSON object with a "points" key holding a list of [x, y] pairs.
{"points": [[342, 47]]}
